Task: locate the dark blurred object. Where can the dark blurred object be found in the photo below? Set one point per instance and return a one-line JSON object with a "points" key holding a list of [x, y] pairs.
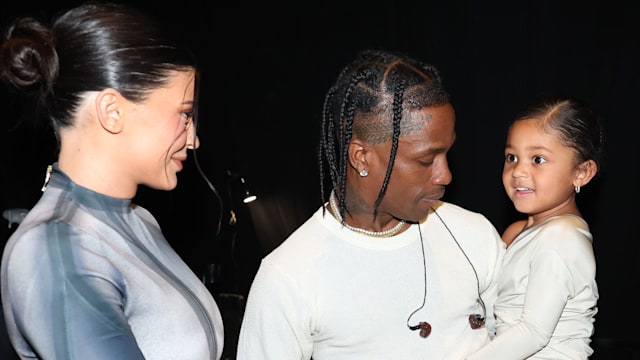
{"points": [[14, 216]]}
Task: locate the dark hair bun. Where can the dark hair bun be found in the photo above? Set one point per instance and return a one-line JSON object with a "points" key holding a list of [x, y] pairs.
{"points": [[28, 60]]}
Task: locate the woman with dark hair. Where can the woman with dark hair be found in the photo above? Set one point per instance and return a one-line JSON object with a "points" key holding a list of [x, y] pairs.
{"points": [[88, 274]]}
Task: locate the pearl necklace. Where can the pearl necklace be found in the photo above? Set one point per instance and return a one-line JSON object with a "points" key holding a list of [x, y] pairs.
{"points": [[386, 233]]}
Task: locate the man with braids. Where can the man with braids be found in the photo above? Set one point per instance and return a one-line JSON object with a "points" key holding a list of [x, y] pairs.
{"points": [[385, 269]]}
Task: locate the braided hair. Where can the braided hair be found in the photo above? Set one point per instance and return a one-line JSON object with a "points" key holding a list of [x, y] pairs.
{"points": [[369, 99]]}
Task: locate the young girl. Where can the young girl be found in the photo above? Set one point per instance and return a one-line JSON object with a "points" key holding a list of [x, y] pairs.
{"points": [[88, 274], [547, 288]]}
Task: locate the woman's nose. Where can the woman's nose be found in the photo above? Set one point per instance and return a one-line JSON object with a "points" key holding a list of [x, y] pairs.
{"points": [[193, 142]]}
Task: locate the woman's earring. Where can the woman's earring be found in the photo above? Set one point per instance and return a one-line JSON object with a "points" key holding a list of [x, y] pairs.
{"points": [[577, 188], [364, 173]]}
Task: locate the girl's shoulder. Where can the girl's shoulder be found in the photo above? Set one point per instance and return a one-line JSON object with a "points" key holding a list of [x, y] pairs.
{"points": [[513, 230]]}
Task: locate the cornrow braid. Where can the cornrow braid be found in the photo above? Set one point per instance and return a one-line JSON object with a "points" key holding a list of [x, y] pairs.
{"points": [[378, 88], [397, 117], [327, 147]]}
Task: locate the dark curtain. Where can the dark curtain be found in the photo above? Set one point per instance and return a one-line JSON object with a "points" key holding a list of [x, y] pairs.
{"points": [[265, 70]]}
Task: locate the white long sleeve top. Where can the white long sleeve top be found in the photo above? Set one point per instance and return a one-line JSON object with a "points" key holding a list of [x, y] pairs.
{"points": [[332, 293], [547, 294]]}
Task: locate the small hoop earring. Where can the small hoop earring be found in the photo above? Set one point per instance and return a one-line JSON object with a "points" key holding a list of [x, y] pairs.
{"points": [[364, 173], [577, 188]]}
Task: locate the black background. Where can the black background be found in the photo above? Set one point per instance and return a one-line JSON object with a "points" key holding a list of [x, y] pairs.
{"points": [[265, 71]]}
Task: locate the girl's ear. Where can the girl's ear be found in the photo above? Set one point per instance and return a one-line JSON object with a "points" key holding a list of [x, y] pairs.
{"points": [[109, 110], [586, 171]]}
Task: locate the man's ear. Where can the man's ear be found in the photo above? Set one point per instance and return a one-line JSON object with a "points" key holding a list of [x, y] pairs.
{"points": [[586, 171], [109, 110], [358, 156]]}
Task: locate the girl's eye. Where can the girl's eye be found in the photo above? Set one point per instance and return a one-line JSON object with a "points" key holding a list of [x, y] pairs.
{"points": [[510, 158], [539, 160]]}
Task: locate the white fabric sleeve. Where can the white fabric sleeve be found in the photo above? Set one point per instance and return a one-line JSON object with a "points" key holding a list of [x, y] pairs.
{"points": [[490, 293], [550, 285], [275, 324]]}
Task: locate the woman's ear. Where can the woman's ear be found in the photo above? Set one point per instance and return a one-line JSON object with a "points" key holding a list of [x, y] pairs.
{"points": [[109, 110], [586, 171]]}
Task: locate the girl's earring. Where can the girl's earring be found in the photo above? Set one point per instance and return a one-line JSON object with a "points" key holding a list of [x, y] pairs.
{"points": [[577, 188], [364, 173]]}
